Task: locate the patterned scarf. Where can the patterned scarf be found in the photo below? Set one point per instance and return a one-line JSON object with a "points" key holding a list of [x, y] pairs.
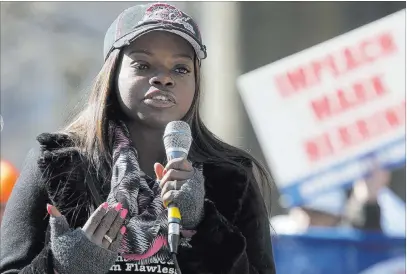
{"points": [[146, 222]]}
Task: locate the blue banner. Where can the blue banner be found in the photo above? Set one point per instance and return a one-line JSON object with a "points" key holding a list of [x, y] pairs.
{"points": [[339, 251], [344, 174]]}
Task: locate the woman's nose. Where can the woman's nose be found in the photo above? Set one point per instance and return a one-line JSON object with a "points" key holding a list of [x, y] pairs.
{"points": [[162, 80]]}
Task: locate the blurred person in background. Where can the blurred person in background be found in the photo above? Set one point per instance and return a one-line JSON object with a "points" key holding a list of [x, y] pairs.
{"points": [[368, 206], [112, 152]]}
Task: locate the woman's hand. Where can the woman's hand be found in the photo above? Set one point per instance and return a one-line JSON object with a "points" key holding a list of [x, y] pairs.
{"points": [[172, 177], [104, 224], [104, 221], [91, 249], [183, 185]]}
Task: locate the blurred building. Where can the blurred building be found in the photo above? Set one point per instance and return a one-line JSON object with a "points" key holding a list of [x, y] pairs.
{"points": [[51, 51]]}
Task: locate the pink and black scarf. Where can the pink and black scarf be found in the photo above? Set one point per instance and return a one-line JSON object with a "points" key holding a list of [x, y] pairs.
{"points": [[145, 239]]}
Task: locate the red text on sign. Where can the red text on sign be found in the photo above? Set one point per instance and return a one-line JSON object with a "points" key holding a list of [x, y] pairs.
{"points": [[362, 130], [335, 64], [347, 98]]}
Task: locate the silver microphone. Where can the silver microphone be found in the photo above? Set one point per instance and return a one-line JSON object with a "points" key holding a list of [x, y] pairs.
{"points": [[177, 142]]}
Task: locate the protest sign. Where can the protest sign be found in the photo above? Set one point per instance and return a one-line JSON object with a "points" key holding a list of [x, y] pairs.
{"points": [[324, 114]]}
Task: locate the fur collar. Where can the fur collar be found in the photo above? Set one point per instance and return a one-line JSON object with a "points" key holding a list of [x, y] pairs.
{"points": [[64, 173], [64, 169]]}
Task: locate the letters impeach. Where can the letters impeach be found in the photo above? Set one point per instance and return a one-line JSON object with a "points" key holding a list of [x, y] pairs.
{"points": [[335, 64]]}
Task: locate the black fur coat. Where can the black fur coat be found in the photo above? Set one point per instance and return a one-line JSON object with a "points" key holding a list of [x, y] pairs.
{"points": [[234, 236]]}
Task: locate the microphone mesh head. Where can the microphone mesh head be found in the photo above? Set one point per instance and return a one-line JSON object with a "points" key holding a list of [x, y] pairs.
{"points": [[177, 137]]}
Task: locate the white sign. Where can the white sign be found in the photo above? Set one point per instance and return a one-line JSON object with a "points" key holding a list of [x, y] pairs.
{"points": [[321, 115]]}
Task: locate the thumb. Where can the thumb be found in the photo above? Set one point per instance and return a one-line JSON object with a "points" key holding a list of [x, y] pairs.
{"points": [[53, 211], [159, 170], [58, 223]]}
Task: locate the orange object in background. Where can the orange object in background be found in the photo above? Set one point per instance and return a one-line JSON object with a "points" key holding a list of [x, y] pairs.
{"points": [[9, 175]]}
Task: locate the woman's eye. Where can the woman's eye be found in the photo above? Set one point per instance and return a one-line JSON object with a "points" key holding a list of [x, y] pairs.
{"points": [[182, 70], [140, 66]]}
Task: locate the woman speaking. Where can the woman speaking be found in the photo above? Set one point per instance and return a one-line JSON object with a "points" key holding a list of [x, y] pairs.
{"points": [[93, 197]]}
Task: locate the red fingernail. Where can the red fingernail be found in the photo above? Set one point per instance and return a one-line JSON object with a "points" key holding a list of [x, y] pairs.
{"points": [[49, 209], [105, 205], [123, 230], [118, 206], [123, 214]]}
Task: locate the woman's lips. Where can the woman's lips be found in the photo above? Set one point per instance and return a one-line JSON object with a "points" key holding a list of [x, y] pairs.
{"points": [[158, 103], [159, 99]]}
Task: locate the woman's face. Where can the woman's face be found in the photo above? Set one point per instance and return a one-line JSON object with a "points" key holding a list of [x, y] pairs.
{"points": [[156, 82]]}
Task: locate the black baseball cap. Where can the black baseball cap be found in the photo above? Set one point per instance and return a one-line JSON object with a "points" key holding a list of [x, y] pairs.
{"points": [[141, 19]]}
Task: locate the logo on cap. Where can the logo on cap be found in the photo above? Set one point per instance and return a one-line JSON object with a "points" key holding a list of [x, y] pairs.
{"points": [[167, 14]]}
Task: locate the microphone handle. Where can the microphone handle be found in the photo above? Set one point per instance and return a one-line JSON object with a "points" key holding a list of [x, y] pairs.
{"points": [[174, 221], [174, 215]]}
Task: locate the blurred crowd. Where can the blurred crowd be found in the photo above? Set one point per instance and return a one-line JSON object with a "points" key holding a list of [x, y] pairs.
{"points": [[369, 205]]}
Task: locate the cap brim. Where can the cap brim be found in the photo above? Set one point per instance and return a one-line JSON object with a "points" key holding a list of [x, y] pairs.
{"points": [[127, 39]]}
